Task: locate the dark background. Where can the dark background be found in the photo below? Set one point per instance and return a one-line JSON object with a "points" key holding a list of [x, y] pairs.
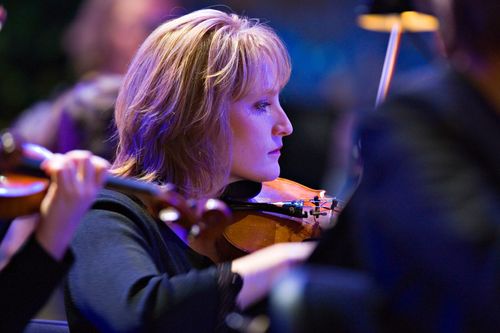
{"points": [[336, 68]]}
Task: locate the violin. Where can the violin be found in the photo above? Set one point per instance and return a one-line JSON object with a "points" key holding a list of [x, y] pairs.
{"points": [[23, 186], [281, 211], [272, 212]]}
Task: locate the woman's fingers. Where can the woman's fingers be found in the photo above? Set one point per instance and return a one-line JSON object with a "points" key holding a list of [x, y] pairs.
{"points": [[101, 167], [76, 177], [77, 171]]}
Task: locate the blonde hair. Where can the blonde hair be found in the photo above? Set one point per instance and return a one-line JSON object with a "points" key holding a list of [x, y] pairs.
{"points": [[172, 110]]}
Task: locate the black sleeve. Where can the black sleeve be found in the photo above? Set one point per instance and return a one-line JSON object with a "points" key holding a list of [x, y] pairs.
{"points": [[26, 284]]}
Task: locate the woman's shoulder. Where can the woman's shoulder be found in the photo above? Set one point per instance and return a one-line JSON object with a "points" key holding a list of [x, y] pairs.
{"points": [[108, 196], [119, 206]]}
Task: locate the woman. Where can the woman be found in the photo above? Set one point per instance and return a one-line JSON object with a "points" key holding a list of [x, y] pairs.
{"points": [[199, 108], [34, 254]]}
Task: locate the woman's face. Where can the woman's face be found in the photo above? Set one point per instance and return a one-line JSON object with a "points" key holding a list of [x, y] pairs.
{"points": [[258, 125]]}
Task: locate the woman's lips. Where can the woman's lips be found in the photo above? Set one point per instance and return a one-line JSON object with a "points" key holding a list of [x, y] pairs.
{"points": [[276, 151]]}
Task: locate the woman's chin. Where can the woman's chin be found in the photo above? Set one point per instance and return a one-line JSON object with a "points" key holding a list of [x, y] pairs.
{"points": [[257, 176], [269, 175]]}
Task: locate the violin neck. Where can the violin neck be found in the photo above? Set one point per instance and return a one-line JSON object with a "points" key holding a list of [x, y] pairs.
{"points": [[31, 167]]}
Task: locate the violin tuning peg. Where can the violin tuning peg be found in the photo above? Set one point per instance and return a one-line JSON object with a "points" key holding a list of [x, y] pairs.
{"points": [[169, 214], [194, 231], [215, 211], [334, 204]]}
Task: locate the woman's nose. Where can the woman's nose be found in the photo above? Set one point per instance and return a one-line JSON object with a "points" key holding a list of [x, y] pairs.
{"points": [[283, 126]]}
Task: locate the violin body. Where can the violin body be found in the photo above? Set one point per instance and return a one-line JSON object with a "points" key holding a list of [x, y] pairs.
{"points": [[254, 230], [16, 189]]}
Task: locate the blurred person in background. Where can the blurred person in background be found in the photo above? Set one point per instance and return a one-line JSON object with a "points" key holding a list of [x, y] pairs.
{"points": [[99, 42], [424, 224]]}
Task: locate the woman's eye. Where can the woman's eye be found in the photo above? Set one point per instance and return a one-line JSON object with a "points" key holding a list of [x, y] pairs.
{"points": [[262, 106]]}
